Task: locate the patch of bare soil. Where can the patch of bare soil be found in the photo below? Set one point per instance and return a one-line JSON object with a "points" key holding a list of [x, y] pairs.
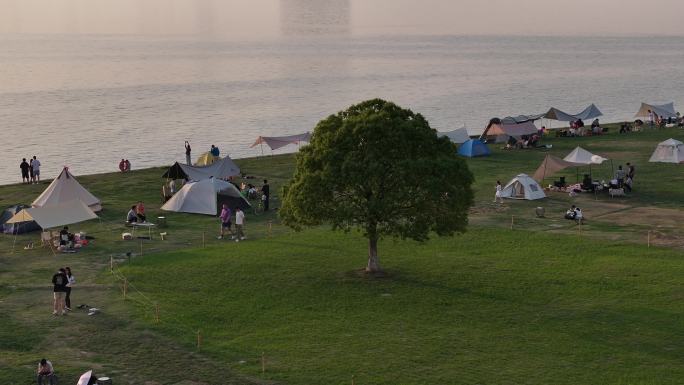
{"points": [[647, 216]]}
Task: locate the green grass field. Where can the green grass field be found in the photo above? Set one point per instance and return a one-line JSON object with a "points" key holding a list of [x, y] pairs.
{"points": [[542, 303]]}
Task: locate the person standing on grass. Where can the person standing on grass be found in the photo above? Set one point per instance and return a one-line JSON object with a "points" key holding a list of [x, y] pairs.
{"points": [[122, 166], [35, 166], [24, 166], [651, 118], [497, 194], [239, 225], [45, 372], [631, 170], [225, 222], [71, 280], [188, 150], [59, 282], [266, 190]]}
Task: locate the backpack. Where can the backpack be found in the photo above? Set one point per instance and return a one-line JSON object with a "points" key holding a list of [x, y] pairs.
{"points": [[59, 280]]}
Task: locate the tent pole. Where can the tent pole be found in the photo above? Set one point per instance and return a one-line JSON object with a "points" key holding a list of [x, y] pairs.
{"points": [[262, 148]]}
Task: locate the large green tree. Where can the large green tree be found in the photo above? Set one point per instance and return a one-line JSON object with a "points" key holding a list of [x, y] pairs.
{"points": [[381, 169]]}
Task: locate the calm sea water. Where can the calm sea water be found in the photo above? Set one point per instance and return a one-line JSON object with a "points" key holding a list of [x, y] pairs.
{"points": [[88, 97]]}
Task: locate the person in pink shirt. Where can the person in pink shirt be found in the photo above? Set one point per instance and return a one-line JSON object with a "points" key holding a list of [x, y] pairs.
{"points": [[140, 211], [224, 217]]}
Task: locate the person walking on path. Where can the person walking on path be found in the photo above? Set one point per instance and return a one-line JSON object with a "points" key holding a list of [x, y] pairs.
{"points": [[188, 150], [45, 372], [239, 225], [71, 280], [266, 190], [24, 166], [631, 170], [497, 195], [59, 282], [225, 222], [35, 166]]}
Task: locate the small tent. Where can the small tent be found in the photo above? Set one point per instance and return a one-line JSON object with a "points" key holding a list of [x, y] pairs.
{"points": [[523, 187], [66, 188], [551, 165], [457, 136], [221, 169], [582, 156], [206, 159], [669, 151], [16, 228], [473, 148], [206, 197], [63, 213]]}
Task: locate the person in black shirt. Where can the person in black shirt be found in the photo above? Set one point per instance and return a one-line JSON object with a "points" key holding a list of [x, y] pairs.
{"points": [[188, 150], [24, 166], [266, 190], [59, 282]]}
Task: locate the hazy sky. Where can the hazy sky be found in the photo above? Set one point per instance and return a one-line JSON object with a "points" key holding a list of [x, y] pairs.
{"points": [[274, 18]]}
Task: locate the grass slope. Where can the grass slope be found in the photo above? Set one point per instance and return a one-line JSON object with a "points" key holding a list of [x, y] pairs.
{"points": [[485, 307]]}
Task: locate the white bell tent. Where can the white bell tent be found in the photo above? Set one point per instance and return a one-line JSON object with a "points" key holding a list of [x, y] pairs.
{"points": [[65, 188]]}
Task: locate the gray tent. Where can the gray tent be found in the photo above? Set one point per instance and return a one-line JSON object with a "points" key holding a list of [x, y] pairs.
{"points": [[220, 169], [588, 113], [457, 136]]}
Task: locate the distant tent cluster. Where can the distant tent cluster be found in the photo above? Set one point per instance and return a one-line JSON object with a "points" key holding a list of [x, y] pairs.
{"points": [[665, 110]]}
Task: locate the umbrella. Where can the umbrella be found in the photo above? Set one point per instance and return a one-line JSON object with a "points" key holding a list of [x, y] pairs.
{"points": [[85, 378]]}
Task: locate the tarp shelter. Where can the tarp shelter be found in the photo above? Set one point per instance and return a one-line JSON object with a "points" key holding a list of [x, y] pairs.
{"points": [[276, 142], [206, 159], [665, 110], [523, 187], [206, 197], [457, 136], [669, 151], [588, 113], [473, 148], [551, 165], [583, 157], [512, 129], [66, 188], [61, 214], [16, 228], [521, 119], [221, 169]]}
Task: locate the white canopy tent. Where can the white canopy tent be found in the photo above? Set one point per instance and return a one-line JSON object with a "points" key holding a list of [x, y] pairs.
{"points": [[523, 187], [669, 151], [56, 215], [457, 136], [205, 197], [66, 188], [665, 110], [582, 156]]}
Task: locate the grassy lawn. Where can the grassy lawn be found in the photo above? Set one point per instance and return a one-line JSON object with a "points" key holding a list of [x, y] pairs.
{"points": [[540, 304]]}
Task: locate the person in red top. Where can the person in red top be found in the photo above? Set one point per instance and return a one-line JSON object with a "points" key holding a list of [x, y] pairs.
{"points": [[122, 166], [140, 211]]}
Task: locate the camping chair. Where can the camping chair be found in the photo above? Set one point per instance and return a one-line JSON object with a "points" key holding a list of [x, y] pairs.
{"points": [[46, 238]]}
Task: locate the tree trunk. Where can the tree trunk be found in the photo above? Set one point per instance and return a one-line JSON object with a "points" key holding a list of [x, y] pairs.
{"points": [[373, 260]]}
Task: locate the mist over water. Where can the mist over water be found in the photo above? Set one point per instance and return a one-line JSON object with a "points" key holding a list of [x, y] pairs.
{"points": [[85, 83]]}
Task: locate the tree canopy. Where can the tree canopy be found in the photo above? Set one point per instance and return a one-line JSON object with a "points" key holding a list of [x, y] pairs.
{"points": [[381, 169]]}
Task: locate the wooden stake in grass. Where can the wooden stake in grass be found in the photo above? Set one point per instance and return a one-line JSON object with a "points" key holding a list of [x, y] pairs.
{"points": [[141, 247], [270, 227], [353, 379], [648, 239], [111, 264], [156, 313], [199, 340], [511, 222], [125, 287], [263, 362], [203, 241]]}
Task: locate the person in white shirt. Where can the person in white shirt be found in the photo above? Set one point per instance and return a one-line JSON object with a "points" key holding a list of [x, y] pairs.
{"points": [[578, 215], [35, 165], [45, 372], [497, 195], [239, 223]]}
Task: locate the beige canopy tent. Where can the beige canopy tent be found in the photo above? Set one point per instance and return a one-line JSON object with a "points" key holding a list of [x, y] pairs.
{"points": [[276, 142], [66, 188], [665, 110], [64, 213], [511, 129], [551, 165]]}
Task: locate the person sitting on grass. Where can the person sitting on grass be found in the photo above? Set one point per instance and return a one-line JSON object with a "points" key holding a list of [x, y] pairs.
{"points": [[570, 214], [46, 373], [578, 215], [140, 211], [132, 216]]}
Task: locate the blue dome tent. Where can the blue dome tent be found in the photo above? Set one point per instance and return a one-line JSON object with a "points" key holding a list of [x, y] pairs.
{"points": [[473, 148]]}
